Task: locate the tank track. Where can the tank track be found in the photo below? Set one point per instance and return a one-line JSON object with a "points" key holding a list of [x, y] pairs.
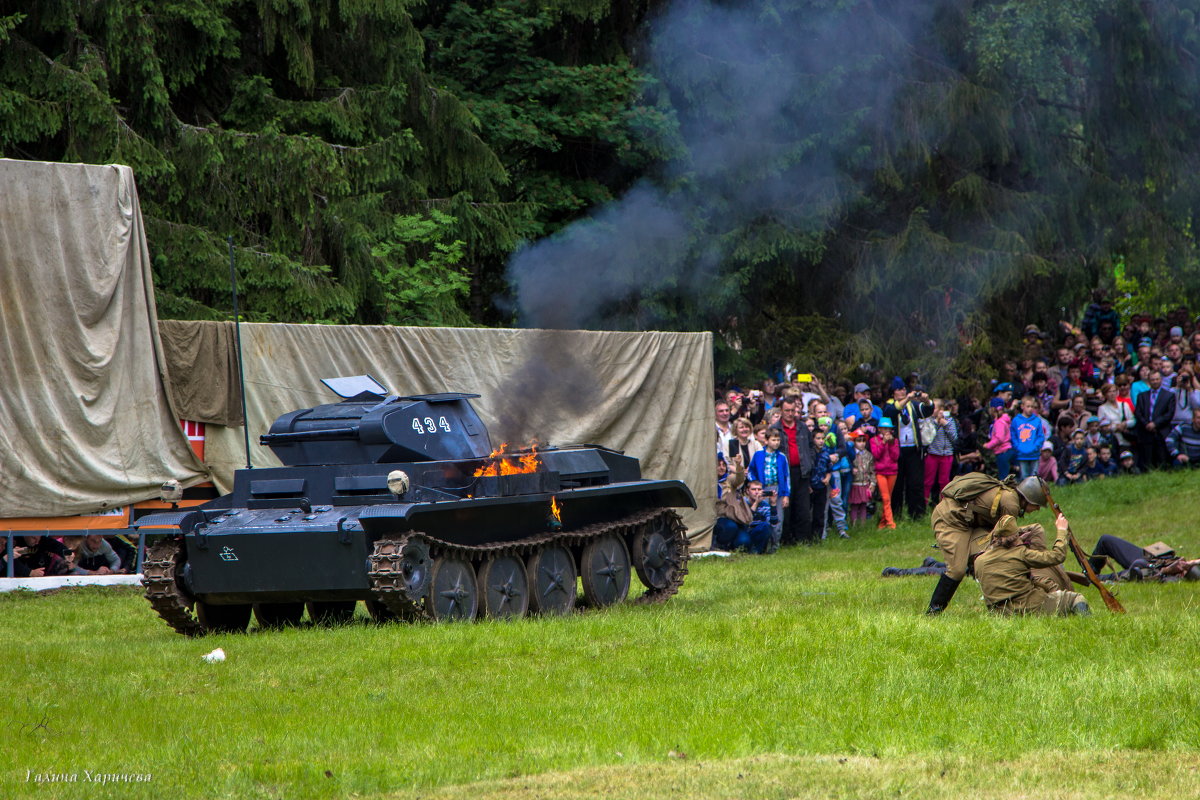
{"points": [[386, 574], [162, 589]]}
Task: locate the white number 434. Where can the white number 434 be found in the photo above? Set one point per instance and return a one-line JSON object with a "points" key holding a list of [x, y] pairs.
{"points": [[427, 425]]}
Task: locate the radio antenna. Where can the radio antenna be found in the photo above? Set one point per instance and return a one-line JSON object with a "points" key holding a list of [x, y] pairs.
{"points": [[237, 330]]}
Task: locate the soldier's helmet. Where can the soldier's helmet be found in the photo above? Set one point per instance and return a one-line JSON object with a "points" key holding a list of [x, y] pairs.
{"points": [[1033, 491]]}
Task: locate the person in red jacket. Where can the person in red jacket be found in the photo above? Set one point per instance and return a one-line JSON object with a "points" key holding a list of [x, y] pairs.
{"points": [[886, 451]]}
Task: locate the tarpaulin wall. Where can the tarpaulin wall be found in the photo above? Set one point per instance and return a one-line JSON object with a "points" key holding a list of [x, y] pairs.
{"points": [[85, 420], [649, 394]]}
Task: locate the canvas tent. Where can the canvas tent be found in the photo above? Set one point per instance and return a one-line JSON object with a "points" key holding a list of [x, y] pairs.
{"points": [[85, 420], [94, 385]]}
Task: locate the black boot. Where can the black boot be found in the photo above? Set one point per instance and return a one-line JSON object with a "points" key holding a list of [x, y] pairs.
{"points": [[942, 593]]}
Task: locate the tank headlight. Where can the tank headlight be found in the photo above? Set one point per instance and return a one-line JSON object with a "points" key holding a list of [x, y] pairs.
{"points": [[397, 482], [171, 492]]}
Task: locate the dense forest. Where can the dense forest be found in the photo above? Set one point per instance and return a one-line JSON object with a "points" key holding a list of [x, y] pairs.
{"points": [[838, 182]]}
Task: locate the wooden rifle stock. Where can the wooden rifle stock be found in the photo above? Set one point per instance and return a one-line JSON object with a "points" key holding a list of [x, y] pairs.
{"points": [[1114, 605]]}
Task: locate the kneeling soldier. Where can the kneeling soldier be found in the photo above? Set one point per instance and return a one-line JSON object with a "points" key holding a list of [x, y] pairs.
{"points": [[1004, 572]]}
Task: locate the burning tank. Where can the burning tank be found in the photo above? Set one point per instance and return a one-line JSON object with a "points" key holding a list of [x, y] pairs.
{"points": [[403, 502]]}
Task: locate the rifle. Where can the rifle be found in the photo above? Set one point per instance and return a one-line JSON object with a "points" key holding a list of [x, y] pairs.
{"points": [[1114, 605]]}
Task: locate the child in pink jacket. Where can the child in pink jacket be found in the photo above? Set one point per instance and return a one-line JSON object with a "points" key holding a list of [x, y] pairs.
{"points": [[886, 451]]}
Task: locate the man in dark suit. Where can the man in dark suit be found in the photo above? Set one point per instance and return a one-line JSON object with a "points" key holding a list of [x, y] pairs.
{"points": [[1154, 410]]}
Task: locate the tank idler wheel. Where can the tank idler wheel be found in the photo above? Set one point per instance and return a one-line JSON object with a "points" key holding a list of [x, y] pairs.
{"points": [[453, 590], [604, 568], [278, 615], [331, 612], [654, 555], [503, 588], [552, 581], [223, 619]]}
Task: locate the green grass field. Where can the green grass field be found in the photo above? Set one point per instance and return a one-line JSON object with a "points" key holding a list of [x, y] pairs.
{"points": [[797, 675]]}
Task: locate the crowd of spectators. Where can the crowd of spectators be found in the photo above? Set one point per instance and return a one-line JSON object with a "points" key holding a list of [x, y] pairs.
{"points": [[797, 461], [38, 556]]}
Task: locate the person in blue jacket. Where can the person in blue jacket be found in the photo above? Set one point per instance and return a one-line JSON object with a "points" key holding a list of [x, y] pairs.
{"points": [[1027, 436], [770, 467]]}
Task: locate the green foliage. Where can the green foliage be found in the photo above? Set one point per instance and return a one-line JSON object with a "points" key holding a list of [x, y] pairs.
{"points": [[420, 276]]}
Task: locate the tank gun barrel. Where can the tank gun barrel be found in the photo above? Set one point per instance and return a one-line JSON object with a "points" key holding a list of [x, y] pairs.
{"points": [[307, 436]]}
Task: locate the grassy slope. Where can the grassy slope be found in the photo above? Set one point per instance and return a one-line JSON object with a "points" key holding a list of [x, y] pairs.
{"points": [[802, 674]]}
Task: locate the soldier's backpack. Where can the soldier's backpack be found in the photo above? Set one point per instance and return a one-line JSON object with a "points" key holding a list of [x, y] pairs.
{"points": [[969, 486]]}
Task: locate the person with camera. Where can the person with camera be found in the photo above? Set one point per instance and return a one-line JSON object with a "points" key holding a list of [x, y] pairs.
{"points": [[1186, 389], [906, 411]]}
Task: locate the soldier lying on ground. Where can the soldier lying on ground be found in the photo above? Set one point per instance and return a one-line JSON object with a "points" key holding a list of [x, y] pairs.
{"points": [[1139, 564], [1005, 572]]}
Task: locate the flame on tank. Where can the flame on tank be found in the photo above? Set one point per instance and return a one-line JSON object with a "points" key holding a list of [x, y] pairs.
{"points": [[500, 462], [555, 509]]}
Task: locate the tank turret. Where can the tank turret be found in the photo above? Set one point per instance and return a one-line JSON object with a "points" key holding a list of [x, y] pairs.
{"points": [[371, 426]]}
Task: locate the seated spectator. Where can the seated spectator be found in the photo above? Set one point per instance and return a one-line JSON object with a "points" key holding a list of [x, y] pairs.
{"points": [[1108, 466], [94, 556], [744, 520], [1063, 430], [1047, 465], [1128, 464], [1071, 463], [41, 556], [1183, 442], [1091, 463], [126, 549]]}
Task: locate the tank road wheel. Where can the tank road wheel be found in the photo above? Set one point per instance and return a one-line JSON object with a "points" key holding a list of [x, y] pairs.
{"points": [[605, 571], [278, 615], [223, 619], [453, 591], [503, 588], [552, 579], [331, 612], [654, 555]]}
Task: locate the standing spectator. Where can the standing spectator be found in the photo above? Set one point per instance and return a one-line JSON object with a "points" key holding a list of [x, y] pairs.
{"points": [[770, 467], [797, 447], [1047, 465], [854, 411], [1119, 415], [1027, 435], [743, 442], [864, 478], [820, 479], [886, 452], [1000, 440], [939, 460], [906, 412], [724, 427], [1183, 443], [969, 458], [1154, 410], [1187, 395]]}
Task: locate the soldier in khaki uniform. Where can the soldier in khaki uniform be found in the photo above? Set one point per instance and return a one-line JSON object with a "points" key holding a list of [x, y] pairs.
{"points": [[1005, 572], [971, 506]]}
